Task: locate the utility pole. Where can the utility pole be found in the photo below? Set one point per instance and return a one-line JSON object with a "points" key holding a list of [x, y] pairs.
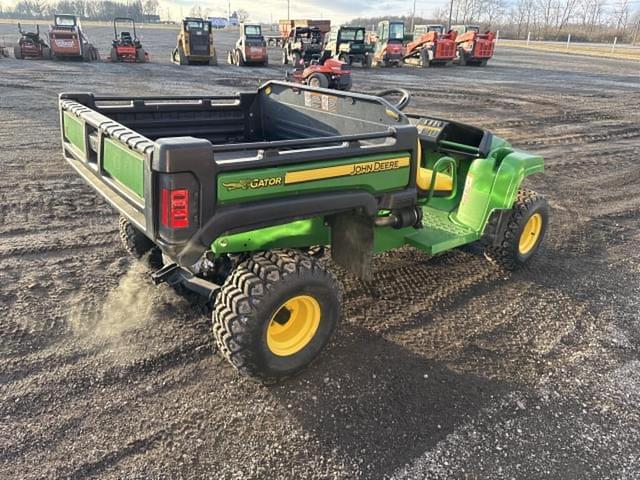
{"points": [[288, 9], [450, 14], [413, 15]]}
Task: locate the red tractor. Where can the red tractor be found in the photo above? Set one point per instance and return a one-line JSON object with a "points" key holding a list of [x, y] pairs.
{"points": [[474, 48], [323, 72], [431, 46], [68, 41], [126, 46], [31, 45]]}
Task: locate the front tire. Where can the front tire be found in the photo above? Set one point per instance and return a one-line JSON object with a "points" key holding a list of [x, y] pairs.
{"points": [[275, 313], [525, 231]]}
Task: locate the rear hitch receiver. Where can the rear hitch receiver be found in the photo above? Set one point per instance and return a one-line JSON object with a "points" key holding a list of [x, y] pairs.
{"points": [[173, 274], [165, 273]]}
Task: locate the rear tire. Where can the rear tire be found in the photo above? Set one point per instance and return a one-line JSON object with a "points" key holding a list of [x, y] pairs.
{"points": [[275, 313], [114, 55], [137, 244], [141, 55], [46, 53], [17, 52], [318, 80], [346, 87], [240, 58], [524, 233]]}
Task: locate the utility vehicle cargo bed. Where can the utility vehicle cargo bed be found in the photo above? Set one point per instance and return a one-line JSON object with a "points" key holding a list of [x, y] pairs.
{"points": [[252, 158]]}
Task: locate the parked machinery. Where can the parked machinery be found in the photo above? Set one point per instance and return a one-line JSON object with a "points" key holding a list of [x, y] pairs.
{"points": [[323, 72], [195, 43], [430, 46], [389, 49], [348, 45], [302, 45], [31, 45], [473, 47], [250, 48], [68, 40], [126, 46]]}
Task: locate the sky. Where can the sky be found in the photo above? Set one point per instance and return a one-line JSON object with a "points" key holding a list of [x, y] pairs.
{"points": [[336, 10]]}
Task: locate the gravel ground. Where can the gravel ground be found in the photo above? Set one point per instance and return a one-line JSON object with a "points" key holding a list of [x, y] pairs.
{"points": [[443, 367]]}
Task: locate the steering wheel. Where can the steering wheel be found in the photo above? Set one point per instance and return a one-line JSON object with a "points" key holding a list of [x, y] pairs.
{"points": [[405, 96]]}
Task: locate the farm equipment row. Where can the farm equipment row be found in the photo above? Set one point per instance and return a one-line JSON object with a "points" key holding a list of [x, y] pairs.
{"points": [[304, 43], [68, 41], [432, 45]]}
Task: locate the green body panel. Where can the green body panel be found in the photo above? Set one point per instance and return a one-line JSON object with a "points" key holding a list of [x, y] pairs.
{"points": [[301, 233], [484, 184], [74, 131], [124, 165], [487, 189], [246, 185]]}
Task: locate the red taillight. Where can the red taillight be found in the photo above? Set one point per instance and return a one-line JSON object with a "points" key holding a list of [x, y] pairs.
{"points": [[174, 208]]}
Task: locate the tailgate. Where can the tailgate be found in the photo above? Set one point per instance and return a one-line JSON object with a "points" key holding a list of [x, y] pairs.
{"points": [[113, 159]]}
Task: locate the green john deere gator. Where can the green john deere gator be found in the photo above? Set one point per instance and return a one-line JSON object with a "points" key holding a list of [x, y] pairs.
{"points": [[240, 194]]}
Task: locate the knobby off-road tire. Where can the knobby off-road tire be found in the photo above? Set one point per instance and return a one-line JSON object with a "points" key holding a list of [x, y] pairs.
{"points": [[524, 233], [137, 244], [275, 313]]}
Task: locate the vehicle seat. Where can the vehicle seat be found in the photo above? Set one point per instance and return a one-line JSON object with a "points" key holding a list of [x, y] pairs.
{"points": [[125, 37], [326, 55], [444, 182]]}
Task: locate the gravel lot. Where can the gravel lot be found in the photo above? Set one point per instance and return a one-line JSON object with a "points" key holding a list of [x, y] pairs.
{"points": [[443, 367]]}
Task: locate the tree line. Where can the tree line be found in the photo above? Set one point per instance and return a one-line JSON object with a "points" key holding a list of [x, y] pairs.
{"points": [[139, 10], [585, 20]]}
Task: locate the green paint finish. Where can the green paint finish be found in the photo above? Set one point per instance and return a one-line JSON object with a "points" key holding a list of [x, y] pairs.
{"points": [[301, 233], [74, 131], [484, 184], [124, 165], [237, 186], [493, 183]]}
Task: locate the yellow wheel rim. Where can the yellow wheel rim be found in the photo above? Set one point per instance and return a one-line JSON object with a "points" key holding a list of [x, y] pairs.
{"points": [[293, 325], [530, 234]]}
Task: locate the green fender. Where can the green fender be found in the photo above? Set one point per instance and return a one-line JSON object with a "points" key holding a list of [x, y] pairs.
{"points": [[492, 183]]}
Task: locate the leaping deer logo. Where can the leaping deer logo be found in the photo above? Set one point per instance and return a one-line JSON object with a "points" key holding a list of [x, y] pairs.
{"points": [[239, 185]]}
